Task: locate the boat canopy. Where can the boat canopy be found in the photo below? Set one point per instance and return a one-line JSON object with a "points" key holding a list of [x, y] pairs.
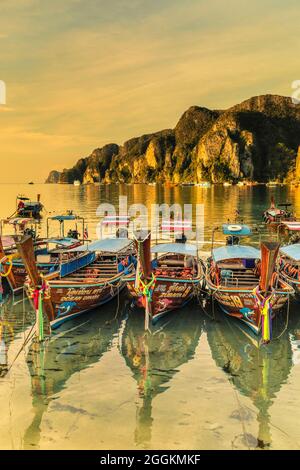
{"points": [[61, 218], [109, 245], [240, 230], [178, 248], [292, 251], [63, 242], [19, 221], [235, 251], [292, 226], [32, 203]]}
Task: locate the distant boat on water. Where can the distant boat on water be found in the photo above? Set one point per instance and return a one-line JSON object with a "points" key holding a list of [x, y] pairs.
{"points": [[204, 184]]}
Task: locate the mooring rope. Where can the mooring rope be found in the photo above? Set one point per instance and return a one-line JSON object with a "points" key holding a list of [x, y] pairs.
{"points": [[25, 342], [286, 323]]}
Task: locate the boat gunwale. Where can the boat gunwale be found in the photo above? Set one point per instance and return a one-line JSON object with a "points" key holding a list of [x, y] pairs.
{"points": [[64, 283], [215, 288]]}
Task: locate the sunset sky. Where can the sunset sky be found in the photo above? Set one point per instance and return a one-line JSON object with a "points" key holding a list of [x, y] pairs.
{"points": [[83, 73]]}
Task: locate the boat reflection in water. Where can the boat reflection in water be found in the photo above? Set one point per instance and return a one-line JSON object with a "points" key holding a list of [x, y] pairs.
{"points": [[154, 358], [13, 321], [77, 345], [256, 372]]}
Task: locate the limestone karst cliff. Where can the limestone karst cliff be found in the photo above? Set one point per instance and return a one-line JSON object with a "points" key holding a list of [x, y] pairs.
{"points": [[257, 139]]}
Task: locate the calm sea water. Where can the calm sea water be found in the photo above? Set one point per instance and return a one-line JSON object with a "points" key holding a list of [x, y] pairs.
{"points": [[194, 383]]}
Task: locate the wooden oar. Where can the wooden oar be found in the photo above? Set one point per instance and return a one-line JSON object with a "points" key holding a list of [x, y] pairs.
{"points": [[269, 252], [26, 251], [10, 277]]}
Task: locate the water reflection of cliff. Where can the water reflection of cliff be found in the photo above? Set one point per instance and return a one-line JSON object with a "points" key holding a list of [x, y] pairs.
{"points": [[257, 373], [154, 358], [76, 345]]}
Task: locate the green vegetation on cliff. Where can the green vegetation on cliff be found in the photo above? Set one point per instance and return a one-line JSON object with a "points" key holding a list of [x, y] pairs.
{"points": [[257, 139]]}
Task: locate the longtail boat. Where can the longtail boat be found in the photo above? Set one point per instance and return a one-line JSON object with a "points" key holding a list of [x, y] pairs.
{"points": [[167, 282], [245, 283], [275, 215], [289, 265], [51, 253], [93, 278], [289, 260], [25, 207], [13, 227]]}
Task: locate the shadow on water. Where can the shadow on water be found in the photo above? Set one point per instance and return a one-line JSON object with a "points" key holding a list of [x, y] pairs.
{"points": [[154, 358], [75, 346], [257, 372]]}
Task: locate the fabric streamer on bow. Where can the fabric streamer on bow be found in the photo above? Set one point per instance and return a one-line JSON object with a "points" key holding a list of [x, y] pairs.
{"points": [[38, 295], [265, 307]]}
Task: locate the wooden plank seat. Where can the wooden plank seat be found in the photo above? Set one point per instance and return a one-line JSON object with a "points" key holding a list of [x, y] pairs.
{"points": [[238, 276]]}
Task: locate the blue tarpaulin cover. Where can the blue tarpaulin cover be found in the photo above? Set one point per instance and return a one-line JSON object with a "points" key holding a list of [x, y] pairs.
{"points": [[64, 217], [292, 251], [64, 242], [110, 245]]}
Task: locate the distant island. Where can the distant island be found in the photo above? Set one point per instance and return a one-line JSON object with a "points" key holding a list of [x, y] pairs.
{"points": [[256, 140]]}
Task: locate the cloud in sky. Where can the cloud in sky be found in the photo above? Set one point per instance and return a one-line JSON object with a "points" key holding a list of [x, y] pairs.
{"points": [[82, 73]]}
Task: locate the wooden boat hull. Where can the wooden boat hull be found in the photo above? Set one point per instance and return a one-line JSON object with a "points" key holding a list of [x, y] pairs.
{"points": [[168, 295], [241, 304], [20, 273], [294, 283], [70, 300]]}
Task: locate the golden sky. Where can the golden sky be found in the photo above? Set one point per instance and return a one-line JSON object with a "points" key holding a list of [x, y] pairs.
{"points": [[83, 73]]}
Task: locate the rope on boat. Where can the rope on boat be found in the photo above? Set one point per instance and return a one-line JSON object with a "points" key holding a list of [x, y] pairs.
{"points": [[5, 259], [26, 341], [286, 323]]}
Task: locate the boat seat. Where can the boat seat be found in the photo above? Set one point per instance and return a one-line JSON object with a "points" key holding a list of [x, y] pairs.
{"points": [[233, 266], [170, 262]]}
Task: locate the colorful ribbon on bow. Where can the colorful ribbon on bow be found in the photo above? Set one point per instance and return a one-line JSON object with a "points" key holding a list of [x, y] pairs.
{"points": [[147, 289], [265, 307], [38, 295]]}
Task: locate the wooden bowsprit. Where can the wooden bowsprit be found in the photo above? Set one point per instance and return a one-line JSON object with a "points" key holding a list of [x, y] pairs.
{"points": [[37, 290], [144, 279], [265, 293]]}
